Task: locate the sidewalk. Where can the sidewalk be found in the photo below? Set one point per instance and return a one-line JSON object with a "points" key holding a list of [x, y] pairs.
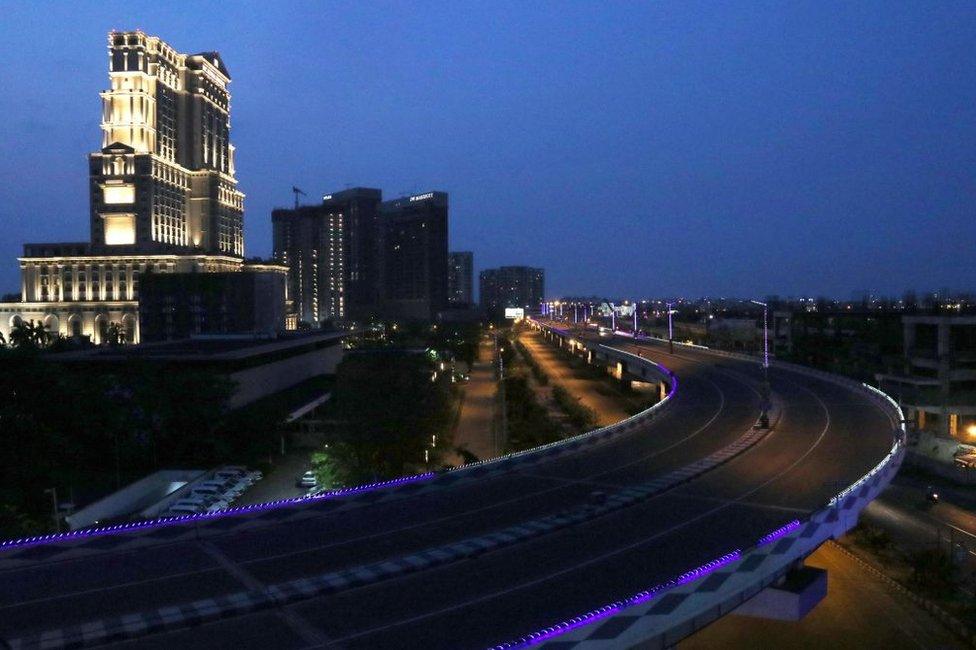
{"points": [[607, 408], [475, 426]]}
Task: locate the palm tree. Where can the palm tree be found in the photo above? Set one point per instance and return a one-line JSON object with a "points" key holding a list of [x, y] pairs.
{"points": [[115, 334], [28, 334], [22, 334]]}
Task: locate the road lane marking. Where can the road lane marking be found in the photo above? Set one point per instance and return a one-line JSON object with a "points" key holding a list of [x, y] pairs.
{"points": [[301, 626], [604, 556]]}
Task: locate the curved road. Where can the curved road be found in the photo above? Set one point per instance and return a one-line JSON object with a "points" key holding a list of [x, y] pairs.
{"points": [[826, 437]]}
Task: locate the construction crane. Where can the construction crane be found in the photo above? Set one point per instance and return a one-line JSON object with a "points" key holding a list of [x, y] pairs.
{"points": [[297, 192]]}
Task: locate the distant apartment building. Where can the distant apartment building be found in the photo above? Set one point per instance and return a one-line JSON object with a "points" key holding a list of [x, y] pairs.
{"points": [[511, 286], [460, 279], [936, 380], [163, 194], [415, 256], [332, 252], [174, 306]]}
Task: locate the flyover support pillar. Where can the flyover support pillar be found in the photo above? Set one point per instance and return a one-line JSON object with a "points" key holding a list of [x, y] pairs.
{"points": [[791, 598]]}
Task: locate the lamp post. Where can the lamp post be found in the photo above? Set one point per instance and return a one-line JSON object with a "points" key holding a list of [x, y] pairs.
{"points": [[635, 320], [670, 328], [54, 498], [764, 416]]}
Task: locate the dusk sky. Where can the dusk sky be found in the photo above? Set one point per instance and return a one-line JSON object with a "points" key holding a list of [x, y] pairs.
{"points": [[638, 149]]}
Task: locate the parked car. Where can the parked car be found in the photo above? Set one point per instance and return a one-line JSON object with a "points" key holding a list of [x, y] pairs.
{"points": [[204, 503], [232, 489], [243, 470], [239, 473], [307, 480], [181, 511], [210, 492]]}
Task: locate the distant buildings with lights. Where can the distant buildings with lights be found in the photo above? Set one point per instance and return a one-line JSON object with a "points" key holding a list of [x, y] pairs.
{"points": [[332, 251], [460, 279], [936, 381], [356, 257], [414, 234], [511, 286], [163, 195]]}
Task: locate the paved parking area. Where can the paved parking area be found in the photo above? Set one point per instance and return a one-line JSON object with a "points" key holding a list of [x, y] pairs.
{"points": [[280, 482]]}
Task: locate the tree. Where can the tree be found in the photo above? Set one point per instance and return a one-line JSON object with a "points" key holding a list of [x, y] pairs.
{"points": [[390, 404], [115, 334], [29, 335]]}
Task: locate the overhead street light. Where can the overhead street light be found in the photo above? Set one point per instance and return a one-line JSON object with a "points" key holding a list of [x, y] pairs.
{"points": [[670, 328], [764, 416]]}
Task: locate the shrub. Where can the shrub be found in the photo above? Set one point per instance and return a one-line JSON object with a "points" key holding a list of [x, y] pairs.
{"points": [[581, 417]]}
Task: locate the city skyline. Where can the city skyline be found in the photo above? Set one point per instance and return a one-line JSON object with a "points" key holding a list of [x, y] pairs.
{"points": [[680, 175]]}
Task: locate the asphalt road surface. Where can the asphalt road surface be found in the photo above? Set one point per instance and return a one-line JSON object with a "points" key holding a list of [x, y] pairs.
{"points": [[826, 436]]}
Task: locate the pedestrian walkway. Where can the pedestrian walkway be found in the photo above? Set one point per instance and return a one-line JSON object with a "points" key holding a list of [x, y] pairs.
{"points": [[475, 430], [608, 408]]}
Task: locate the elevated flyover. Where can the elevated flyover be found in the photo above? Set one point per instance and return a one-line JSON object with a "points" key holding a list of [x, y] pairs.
{"points": [[641, 532]]}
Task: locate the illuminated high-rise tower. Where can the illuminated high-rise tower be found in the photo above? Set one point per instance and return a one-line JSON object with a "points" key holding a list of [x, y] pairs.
{"points": [[164, 178], [163, 198]]}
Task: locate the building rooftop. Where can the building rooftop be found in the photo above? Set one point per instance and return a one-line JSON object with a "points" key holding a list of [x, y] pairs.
{"points": [[217, 348]]}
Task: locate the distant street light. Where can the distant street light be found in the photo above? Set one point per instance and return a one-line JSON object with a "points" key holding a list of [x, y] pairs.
{"points": [[764, 416], [670, 328], [765, 334]]}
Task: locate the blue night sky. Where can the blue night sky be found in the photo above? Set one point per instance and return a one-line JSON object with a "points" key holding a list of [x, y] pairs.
{"points": [[651, 148]]}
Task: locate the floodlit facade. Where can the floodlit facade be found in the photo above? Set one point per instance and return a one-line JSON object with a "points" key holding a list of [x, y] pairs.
{"points": [[164, 178], [163, 195]]}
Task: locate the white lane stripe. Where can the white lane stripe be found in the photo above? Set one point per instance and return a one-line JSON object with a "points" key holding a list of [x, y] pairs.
{"points": [[600, 558]]}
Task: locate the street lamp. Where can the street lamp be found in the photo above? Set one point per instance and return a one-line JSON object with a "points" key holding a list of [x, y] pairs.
{"points": [[57, 516], [764, 416], [765, 335], [670, 328]]}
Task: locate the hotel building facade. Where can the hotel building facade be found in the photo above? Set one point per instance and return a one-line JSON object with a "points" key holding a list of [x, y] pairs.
{"points": [[163, 195]]}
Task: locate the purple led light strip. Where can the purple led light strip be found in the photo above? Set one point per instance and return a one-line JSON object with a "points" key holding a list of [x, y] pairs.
{"points": [[168, 521], [779, 532], [541, 636], [269, 505]]}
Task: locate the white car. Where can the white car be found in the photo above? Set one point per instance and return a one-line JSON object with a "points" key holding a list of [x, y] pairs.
{"points": [[214, 492], [232, 489], [238, 474], [307, 480], [234, 477], [181, 511], [254, 475], [202, 503]]}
